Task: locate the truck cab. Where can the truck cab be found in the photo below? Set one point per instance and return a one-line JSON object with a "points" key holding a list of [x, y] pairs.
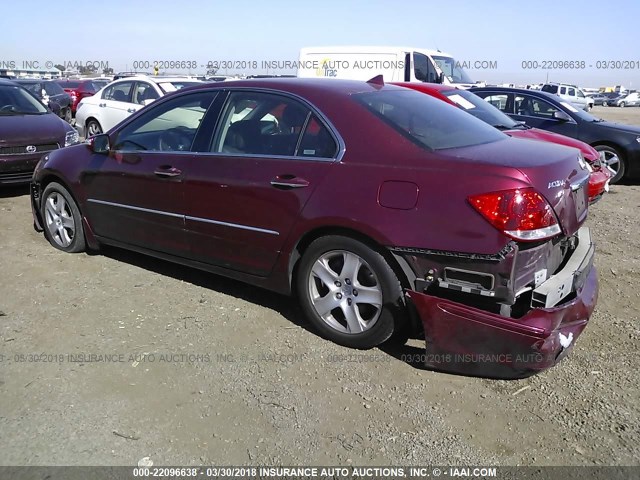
{"points": [[395, 64]]}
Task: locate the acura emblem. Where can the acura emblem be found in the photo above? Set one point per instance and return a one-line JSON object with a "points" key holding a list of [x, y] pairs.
{"points": [[31, 149]]}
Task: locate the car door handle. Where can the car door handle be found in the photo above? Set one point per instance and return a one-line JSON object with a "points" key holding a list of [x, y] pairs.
{"points": [[168, 171], [289, 181], [131, 110], [102, 104]]}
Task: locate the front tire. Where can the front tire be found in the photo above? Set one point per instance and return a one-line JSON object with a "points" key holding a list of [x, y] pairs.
{"points": [[349, 292], [622, 104], [68, 115], [62, 219]]}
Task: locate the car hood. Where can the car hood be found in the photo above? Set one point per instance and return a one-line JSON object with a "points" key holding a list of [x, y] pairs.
{"points": [[588, 151], [620, 127], [32, 129], [553, 170]]}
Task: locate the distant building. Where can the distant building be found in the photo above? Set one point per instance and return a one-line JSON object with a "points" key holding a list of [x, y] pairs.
{"points": [[31, 72]]}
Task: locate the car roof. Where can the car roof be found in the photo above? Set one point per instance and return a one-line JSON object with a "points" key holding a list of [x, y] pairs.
{"points": [[31, 80], [423, 86], [535, 93], [155, 79], [301, 86]]}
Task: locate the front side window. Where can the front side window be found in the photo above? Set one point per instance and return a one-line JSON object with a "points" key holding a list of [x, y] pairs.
{"points": [[119, 92], [144, 91], [428, 122], [424, 69], [533, 107], [571, 92], [171, 126]]}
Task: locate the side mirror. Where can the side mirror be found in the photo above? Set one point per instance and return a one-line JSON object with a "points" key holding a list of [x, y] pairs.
{"points": [[100, 144], [560, 115], [148, 101]]}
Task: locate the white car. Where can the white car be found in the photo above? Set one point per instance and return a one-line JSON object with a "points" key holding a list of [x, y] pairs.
{"points": [[115, 102]]}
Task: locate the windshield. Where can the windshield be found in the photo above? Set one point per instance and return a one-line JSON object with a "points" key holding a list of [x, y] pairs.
{"points": [[15, 100], [480, 108], [452, 69], [426, 121], [35, 88]]}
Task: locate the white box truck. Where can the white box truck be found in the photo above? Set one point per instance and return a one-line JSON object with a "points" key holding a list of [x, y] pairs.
{"points": [[395, 64]]}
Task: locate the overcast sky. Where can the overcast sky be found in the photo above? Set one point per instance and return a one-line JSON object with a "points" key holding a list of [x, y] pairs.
{"points": [[507, 32]]}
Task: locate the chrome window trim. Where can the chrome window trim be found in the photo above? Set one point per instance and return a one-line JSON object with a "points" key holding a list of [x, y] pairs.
{"points": [[184, 217], [132, 207]]}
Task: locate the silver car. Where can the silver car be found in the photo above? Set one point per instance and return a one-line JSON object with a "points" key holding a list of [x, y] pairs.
{"points": [[631, 100], [570, 94]]}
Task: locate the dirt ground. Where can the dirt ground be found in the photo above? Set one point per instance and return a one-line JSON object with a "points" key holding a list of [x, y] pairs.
{"points": [[198, 369]]}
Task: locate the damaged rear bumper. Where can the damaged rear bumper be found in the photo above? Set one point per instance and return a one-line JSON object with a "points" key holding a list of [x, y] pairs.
{"points": [[468, 340]]}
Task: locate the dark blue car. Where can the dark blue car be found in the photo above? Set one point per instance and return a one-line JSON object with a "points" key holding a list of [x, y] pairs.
{"points": [[618, 144]]}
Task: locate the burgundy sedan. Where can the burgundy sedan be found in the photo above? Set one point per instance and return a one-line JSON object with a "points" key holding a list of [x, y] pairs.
{"points": [[382, 208]]}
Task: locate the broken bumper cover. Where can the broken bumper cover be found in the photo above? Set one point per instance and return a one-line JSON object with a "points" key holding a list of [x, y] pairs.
{"points": [[471, 341]]}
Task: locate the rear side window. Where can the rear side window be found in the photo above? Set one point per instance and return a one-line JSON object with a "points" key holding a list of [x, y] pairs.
{"points": [[317, 141], [427, 121]]}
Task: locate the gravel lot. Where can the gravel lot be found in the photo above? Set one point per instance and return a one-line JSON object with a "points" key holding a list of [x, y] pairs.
{"points": [[204, 370]]}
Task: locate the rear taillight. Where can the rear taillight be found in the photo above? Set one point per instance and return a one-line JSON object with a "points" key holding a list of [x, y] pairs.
{"points": [[521, 213]]}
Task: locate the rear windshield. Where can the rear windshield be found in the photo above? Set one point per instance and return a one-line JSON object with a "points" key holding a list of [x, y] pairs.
{"points": [[427, 121], [550, 88], [480, 108], [69, 84], [176, 85]]}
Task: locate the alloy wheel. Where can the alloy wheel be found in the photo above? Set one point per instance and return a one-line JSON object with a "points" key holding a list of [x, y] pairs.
{"points": [[345, 292], [59, 219]]}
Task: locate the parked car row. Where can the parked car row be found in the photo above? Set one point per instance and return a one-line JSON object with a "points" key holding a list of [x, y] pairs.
{"points": [[51, 94], [618, 144], [471, 103], [119, 99], [28, 130], [267, 196]]}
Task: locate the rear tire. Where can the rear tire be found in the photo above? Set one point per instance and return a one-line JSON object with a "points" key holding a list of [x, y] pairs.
{"points": [[619, 168], [349, 292], [62, 220], [93, 128], [67, 115]]}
